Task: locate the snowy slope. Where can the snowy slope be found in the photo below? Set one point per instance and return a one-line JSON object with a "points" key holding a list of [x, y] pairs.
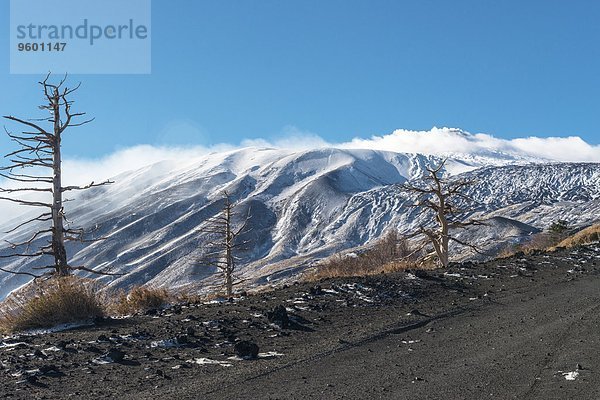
{"points": [[303, 205], [530, 197]]}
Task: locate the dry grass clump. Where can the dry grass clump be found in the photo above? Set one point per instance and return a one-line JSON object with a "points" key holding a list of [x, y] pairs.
{"points": [[539, 242], [50, 303], [340, 266], [586, 236], [194, 298], [543, 241], [140, 299], [552, 240], [387, 256]]}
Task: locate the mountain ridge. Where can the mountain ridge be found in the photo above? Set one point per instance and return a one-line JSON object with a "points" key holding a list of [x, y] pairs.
{"points": [[304, 205]]}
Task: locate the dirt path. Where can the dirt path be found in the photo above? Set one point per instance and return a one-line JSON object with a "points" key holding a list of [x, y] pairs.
{"points": [[508, 329], [518, 346], [513, 349]]}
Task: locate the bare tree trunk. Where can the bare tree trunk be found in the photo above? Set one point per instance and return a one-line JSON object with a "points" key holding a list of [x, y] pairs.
{"points": [[442, 220], [229, 254], [58, 237], [229, 284]]}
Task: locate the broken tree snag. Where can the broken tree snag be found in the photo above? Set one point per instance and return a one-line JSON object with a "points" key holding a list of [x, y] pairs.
{"points": [[225, 244], [440, 197], [39, 151]]}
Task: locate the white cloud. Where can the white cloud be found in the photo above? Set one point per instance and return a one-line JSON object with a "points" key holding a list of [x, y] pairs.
{"points": [[435, 141], [571, 148], [81, 171], [444, 140], [84, 171]]}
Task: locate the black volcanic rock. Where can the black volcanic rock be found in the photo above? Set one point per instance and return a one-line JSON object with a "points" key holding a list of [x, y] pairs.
{"points": [[246, 349], [279, 316], [115, 355]]}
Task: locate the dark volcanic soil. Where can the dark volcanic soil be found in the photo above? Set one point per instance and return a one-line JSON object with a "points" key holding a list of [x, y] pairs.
{"points": [[508, 329]]}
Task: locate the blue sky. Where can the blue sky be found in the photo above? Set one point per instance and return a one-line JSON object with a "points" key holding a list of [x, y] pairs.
{"points": [[224, 71]]}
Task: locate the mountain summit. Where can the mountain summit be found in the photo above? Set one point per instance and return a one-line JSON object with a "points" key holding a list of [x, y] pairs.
{"points": [[302, 206]]}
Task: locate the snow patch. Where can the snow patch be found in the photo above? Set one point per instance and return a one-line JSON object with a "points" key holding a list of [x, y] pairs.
{"points": [[410, 276], [208, 361], [11, 345], [571, 376], [165, 344], [59, 328]]}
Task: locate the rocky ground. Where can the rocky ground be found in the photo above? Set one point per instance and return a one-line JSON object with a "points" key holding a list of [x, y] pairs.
{"points": [[523, 327]]}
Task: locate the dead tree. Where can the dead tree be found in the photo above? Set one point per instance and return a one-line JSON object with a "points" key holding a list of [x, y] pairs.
{"points": [[440, 197], [225, 244], [40, 152]]}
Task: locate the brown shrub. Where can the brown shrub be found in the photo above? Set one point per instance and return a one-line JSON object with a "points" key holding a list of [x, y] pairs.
{"points": [[538, 242], [50, 303], [386, 256], [140, 299], [586, 236], [550, 241], [541, 241]]}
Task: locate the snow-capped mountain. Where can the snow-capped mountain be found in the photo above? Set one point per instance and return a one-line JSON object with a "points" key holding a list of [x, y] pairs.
{"points": [[301, 205], [517, 200]]}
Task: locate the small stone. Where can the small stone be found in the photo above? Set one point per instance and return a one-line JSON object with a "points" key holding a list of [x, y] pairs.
{"points": [[231, 338], [40, 354], [102, 338], [279, 316], [181, 340], [161, 373], [416, 313], [246, 349], [316, 290], [31, 379], [92, 349], [115, 355], [50, 370]]}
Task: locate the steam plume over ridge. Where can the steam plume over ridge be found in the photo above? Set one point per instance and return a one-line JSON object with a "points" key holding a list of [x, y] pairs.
{"points": [[437, 141], [440, 141]]}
